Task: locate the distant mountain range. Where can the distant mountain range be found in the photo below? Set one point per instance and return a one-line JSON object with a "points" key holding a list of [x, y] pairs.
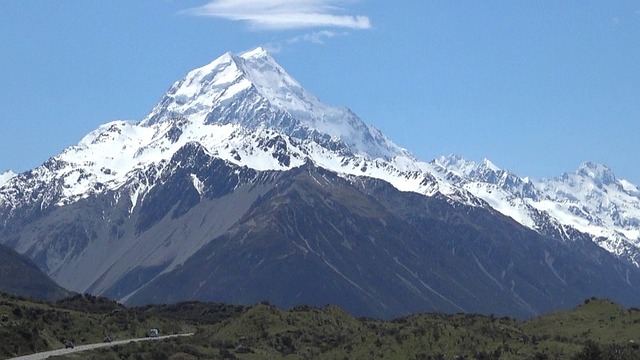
{"points": [[241, 186]]}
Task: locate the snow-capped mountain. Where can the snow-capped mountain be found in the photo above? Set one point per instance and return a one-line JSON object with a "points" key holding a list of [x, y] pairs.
{"points": [[238, 155], [591, 200], [244, 109], [270, 99]]}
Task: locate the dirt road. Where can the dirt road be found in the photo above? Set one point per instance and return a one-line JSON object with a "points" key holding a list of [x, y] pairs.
{"points": [[46, 354]]}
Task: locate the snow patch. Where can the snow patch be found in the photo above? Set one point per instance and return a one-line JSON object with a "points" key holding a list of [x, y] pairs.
{"points": [[197, 184], [6, 176]]}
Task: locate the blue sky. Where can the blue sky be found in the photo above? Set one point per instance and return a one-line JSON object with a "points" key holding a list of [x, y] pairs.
{"points": [[536, 87]]}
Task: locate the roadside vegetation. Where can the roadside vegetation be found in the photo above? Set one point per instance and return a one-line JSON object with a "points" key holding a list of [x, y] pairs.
{"points": [[597, 329]]}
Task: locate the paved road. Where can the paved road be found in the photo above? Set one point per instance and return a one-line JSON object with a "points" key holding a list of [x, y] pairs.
{"points": [[46, 354]]}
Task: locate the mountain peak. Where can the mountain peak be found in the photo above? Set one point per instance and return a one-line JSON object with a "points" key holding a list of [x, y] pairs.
{"points": [[258, 52], [465, 167], [230, 79], [253, 91], [454, 162], [598, 172], [489, 165]]}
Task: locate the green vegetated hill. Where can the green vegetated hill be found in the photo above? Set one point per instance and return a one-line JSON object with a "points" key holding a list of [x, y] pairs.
{"points": [[598, 329], [28, 326]]}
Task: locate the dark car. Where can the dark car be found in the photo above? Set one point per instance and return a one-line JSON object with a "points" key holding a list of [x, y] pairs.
{"points": [[69, 344], [106, 339]]}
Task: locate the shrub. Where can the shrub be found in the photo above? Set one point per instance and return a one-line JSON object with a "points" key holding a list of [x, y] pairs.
{"points": [[17, 312]]}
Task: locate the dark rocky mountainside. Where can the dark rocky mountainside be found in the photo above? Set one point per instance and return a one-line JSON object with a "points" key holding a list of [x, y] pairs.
{"points": [[310, 236], [20, 276], [317, 238]]}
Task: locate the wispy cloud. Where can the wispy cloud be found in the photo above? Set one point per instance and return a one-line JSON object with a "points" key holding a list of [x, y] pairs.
{"points": [[317, 37], [284, 14]]}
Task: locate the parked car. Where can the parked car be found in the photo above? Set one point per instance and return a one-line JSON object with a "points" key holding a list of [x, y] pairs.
{"points": [[107, 339], [69, 344], [154, 333]]}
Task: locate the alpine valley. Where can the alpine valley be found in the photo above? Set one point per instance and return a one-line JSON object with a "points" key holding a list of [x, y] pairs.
{"points": [[240, 186]]}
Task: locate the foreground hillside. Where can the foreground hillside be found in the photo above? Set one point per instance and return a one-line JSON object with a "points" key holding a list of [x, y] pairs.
{"points": [[598, 329]]}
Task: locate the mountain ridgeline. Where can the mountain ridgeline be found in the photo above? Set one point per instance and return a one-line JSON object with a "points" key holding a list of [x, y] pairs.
{"points": [[241, 187]]}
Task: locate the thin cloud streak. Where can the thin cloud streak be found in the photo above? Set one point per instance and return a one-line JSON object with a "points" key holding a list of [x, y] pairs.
{"points": [[317, 37], [282, 14]]}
